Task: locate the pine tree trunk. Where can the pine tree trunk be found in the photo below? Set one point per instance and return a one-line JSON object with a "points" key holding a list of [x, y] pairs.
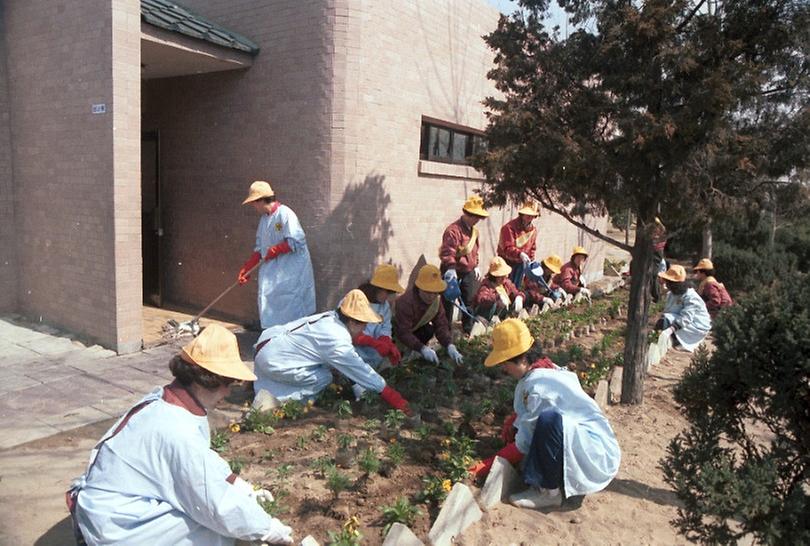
{"points": [[635, 341], [707, 247]]}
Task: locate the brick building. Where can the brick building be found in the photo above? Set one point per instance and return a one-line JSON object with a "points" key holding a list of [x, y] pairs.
{"points": [[131, 130]]}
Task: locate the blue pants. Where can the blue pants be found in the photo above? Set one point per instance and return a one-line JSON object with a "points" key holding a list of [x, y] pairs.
{"points": [[544, 462]]}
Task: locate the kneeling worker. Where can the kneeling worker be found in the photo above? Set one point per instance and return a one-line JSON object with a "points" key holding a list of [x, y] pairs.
{"points": [[375, 343], [294, 361], [497, 296]]}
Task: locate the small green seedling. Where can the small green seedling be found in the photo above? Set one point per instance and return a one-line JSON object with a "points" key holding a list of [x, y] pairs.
{"points": [[336, 481], [220, 441], [394, 419], [402, 511], [260, 421], [275, 507], [319, 433], [369, 462], [237, 465], [396, 454], [344, 441], [344, 409], [371, 424], [301, 442], [284, 471], [293, 409], [345, 537], [423, 432]]}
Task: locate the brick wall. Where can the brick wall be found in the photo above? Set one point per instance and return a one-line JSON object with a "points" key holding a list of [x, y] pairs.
{"points": [[8, 250], [67, 171]]}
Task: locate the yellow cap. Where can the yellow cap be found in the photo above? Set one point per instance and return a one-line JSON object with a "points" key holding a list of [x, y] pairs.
{"points": [[579, 250], [529, 208], [258, 190], [704, 264], [554, 263], [510, 338], [498, 267], [675, 273], [217, 351], [355, 305], [386, 276], [475, 205], [429, 279]]}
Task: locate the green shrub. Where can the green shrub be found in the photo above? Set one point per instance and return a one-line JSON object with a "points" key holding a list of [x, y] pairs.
{"points": [[732, 477]]}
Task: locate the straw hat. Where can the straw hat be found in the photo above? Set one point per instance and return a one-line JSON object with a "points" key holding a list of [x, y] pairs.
{"points": [[675, 273], [429, 279], [216, 350], [579, 250], [498, 267], [475, 205], [529, 208], [355, 305], [258, 190], [510, 338], [386, 276], [704, 265], [554, 263]]}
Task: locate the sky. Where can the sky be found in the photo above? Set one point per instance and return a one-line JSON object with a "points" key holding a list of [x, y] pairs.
{"points": [[509, 6]]}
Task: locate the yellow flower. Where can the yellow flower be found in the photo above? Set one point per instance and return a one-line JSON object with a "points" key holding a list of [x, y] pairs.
{"points": [[443, 456], [235, 427], [583, 375], [593, 365], [446, 442], [467, 460], [447, 485], [393, 440]]}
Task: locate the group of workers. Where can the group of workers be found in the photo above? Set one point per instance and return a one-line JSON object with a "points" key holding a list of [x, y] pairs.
{"points": [[153, 479]]}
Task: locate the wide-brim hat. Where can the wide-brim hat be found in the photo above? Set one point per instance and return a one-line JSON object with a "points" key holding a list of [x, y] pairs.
{"points": [[675, 273], [704, 265], [475, 205], [258, 190], [429, 279], [529, 208], [510, 338], [579, 250], [554, 263], [355, 305], [387, 278], [499, 268], [217, 351]]}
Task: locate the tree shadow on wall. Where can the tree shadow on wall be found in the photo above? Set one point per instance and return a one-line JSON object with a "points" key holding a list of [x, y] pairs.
{"points": [[353, 238]]}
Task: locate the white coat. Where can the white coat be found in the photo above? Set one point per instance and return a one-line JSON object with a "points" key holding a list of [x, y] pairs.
{"points": [[296, 363], [158, 482], [286, 283], [376, 330], [591, 453], [688, 312]]}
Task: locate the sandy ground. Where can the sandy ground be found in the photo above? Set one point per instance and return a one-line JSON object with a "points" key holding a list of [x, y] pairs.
{"points": [[635, 509]]}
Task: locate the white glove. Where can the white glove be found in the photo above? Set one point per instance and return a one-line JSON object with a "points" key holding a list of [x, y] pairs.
{"points": [[263, 495], [668, 332], [450, 274], [278, 534], [548, 301], [429, 354], [454, 354], [585, 293], [358, 392], [525, 258], [518, 304], [477, 271]]}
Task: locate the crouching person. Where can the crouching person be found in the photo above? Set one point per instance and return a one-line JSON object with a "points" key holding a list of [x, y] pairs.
{"points": [[497, 296], [153, 478], [541, 290], [685, 316], [563, 439], [375, 344], [294, 361], [714, 293]]}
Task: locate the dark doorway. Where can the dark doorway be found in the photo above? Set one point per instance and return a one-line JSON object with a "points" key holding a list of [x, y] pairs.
{"points": [[151, 228]]}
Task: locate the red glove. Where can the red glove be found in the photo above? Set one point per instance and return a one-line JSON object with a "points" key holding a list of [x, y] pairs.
{"points": [[395, 400], [511, 453], [274, 251], [391, 350], [243, 273], [363, 339], [508, 429]]}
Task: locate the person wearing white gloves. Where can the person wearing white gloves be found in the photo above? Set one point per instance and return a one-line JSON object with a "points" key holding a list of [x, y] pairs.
{"points": [[497, 296], [153, 478], [685, 318], [419, 316], [517, 242], [570, 276], [459, 255]]}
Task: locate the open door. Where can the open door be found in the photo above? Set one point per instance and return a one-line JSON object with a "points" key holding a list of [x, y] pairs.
{"points": [[151, 229]]}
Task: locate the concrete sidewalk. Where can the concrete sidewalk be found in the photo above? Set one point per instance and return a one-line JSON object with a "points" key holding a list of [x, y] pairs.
{"points": [[50, 383]]}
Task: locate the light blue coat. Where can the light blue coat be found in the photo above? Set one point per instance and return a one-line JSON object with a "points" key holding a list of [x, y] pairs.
{"points": [[376, 330], [689, 313], [297, 362], [286, 283], [158, 482], [591, 453]]}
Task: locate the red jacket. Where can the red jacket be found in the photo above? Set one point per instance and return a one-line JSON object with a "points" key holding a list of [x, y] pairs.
{"points": [[487, 295], [715, 295], [507, 243], [456, 236], [569, 278], [534, 291], [408, 311]]}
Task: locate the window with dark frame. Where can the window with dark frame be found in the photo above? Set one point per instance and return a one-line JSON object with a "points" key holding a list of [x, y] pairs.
{"points": [[449, 144]]}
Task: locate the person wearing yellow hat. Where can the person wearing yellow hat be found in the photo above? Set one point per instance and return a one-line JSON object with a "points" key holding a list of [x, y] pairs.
{"points": [[459, 255], [294, 361], [685, 316], [714, 293], [570, 278], [419, 316], [518, 241], [541, 289], [564, 440], [153, 479], [375, 343], [286, 281], [498, 296]]}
